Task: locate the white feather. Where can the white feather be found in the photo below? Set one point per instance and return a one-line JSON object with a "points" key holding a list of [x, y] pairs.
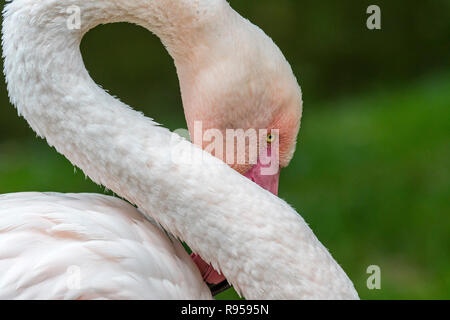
{"points": [[263, 247], [119, 254]]}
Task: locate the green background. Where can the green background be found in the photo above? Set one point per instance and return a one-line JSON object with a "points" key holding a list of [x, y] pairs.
{"points": [[371, 171]]}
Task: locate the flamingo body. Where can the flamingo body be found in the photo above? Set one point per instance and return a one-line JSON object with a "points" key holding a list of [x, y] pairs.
{"points": [[89, 246]]}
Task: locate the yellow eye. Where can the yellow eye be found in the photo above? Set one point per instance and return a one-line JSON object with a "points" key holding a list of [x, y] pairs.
{"points": [[270, 138]]}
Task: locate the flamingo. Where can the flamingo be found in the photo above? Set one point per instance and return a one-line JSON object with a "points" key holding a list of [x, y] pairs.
{"points": [[92, 246]]}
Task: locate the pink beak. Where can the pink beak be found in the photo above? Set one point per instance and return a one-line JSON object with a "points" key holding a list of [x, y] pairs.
{"points": [[264, 174]]}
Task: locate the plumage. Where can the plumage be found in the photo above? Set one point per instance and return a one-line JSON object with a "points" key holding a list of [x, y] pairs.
{"points": [[262, 246], [89, 246]]}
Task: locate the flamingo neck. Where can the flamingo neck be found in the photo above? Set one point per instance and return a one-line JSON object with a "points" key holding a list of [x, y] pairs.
{"points": [[260, 243]]}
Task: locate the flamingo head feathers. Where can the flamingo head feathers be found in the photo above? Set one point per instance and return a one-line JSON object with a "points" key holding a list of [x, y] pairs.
{"points": [[237, 84]]}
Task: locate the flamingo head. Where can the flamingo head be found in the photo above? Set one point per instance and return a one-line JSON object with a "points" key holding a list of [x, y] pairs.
{"points": [[242, 102]]}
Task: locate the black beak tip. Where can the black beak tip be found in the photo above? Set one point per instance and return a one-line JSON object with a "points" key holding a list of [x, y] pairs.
{"points": [[218, 288]]}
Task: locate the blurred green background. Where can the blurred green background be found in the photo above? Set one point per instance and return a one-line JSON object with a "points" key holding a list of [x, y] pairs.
{"points": [[371, 172]]}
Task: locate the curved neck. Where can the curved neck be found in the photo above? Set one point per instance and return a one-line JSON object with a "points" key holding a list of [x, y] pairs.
{"points": [[260, 243]]}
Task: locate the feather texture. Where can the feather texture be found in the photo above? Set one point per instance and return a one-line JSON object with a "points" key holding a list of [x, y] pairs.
{"points": [[89, 246], [262, 246]]}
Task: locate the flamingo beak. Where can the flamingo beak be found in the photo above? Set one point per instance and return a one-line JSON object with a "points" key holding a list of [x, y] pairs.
{"points": [[266, 174]]}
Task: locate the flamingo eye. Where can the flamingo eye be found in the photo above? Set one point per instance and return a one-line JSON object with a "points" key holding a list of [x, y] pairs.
{"points": [[270, 138]]}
